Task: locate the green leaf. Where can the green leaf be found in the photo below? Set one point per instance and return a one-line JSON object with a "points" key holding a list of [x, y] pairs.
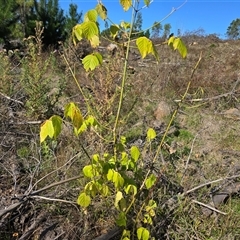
{"points": [[51, 128], [115, 177], [118, 180], [77, 32], [143, 233], [57, 125], [150, 181], [126, 234], [92, 188], [96, 157], [83, 200], [177, 43], [114, 29], [151, 134], [92, 61], [88, 30], [147, 219], [125, 25], [118, 197], [90, 121], [147, 2], [90, 171], [131, 188], [91, 15], [121, 220], [74, 113], [94, 41], [145, 47], [135, 153], [126, 4], [104, 190], [102, 11], [46, 130]]}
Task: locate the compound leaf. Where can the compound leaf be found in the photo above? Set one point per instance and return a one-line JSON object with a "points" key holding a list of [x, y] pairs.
{"points": [[145, 47], [74, 113], [176, 43]]}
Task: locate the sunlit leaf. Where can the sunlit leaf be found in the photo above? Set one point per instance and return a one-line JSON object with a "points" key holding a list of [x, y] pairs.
{"points": [[125, 25], [126, 4], [147, 219], [91, 121], [90, 171], [104, 190], [118, 197], [126, 234], [102, 11], [74, 113], [135, 153], [91, 188], [143, 233], [91, 15], [145, 47], [150, 181], [177, 44], [77, 32], [83, 200], [151, 134], [131, 189], [89, 29], [57, 125], [46, 130], [115, 177], [94, 41], [92, 61], [118, 180]]}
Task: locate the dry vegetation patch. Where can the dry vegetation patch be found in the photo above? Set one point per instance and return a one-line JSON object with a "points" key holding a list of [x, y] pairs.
{"points": [[202, 145]]}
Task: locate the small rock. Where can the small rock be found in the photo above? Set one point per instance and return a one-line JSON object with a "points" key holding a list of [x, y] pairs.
{"points": [[163, 110]]}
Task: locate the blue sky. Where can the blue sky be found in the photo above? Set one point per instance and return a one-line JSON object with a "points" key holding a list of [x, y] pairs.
{"points": [[211, 15]]}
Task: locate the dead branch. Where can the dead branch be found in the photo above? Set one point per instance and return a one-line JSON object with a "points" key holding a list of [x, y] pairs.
{"points": [[11, 99], [209, 207]]}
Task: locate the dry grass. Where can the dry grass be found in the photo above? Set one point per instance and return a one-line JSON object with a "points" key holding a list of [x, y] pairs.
{"points": [[206, 145]]}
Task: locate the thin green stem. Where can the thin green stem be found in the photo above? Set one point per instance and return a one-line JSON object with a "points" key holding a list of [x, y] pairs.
{"points": [[124, 78], [166, 132]]}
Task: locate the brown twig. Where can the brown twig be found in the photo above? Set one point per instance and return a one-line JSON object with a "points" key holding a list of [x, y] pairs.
{"points": [[11, 99]]}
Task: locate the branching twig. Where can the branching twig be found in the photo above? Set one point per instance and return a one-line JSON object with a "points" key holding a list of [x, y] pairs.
{"points": [[70, 160], [211, 182], [25, 198]]}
